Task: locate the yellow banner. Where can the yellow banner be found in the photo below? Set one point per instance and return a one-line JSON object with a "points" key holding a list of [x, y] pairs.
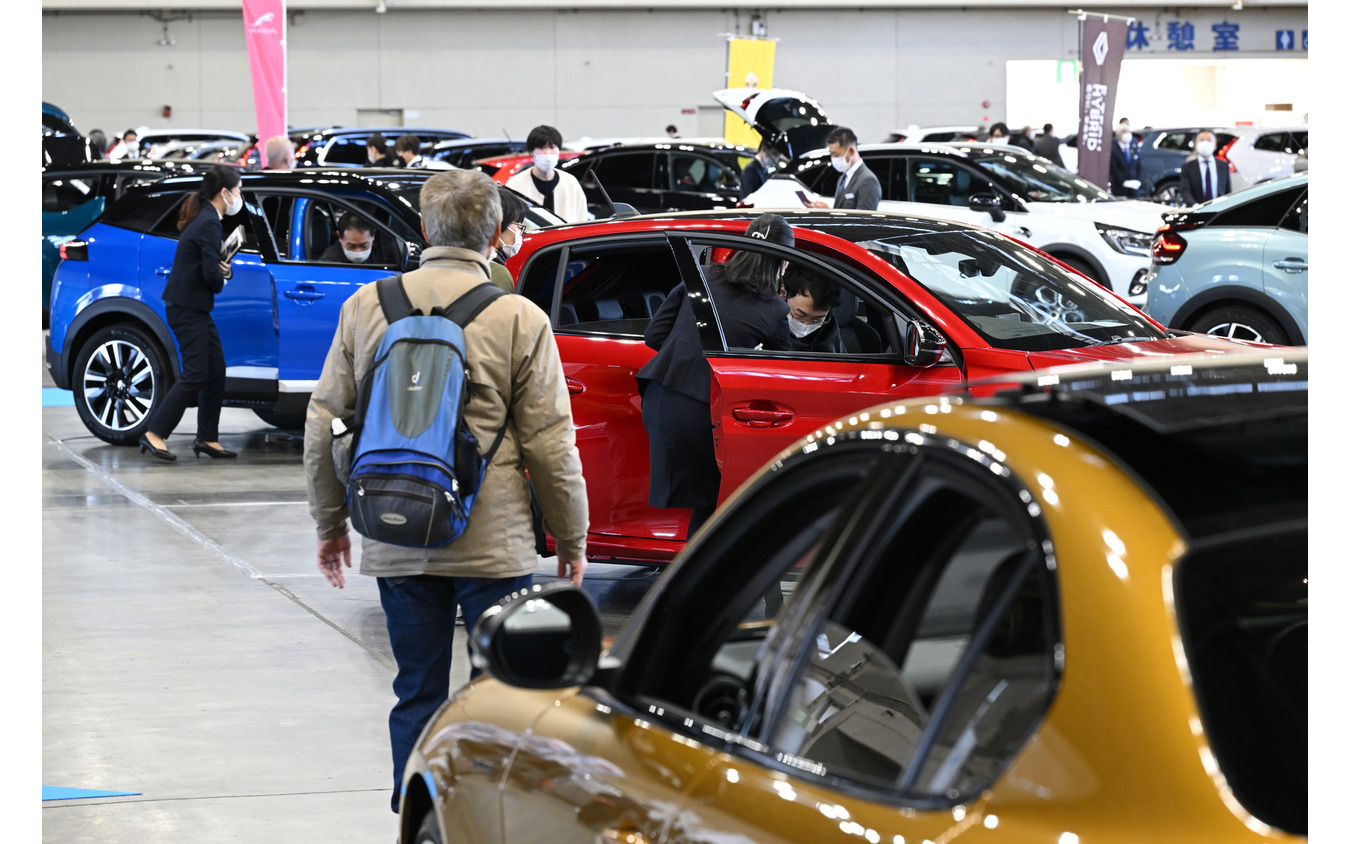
{"points": [[749, 65]]}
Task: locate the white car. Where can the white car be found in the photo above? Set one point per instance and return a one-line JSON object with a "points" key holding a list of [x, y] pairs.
{"points": [[913, 134], [1262, 153], [1004, 188]]}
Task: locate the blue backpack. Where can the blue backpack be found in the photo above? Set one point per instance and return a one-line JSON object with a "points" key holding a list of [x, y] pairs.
{"points": [[415, 466]]}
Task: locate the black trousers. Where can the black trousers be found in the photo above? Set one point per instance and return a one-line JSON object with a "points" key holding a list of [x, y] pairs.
{"points": [[683, 462], [203, 376]]}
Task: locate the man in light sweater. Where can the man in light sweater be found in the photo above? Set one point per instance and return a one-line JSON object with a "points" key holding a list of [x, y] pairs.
{"points": [[557, 191]]}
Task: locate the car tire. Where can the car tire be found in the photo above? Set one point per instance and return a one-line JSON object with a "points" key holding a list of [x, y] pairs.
{"points": [[1082, 266], [284, 421], [121, 376], [429, 832], [1168, 193], [1240, 322]]}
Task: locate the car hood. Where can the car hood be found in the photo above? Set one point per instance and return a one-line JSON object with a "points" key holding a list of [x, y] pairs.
{"points": [[1127, 213], [1183, 344], [787, 119]]}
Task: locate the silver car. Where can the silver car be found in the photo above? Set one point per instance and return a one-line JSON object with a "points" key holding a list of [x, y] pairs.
{"points": [[1236, 266]]}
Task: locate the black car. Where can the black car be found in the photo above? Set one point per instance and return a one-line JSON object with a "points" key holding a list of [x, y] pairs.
{"points": [[62, 143], [1161, 154], [346, 146], [463, 152], [662, 177]]}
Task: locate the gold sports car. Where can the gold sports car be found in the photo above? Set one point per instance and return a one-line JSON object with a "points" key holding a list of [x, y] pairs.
{"points": [[1073, 612]]}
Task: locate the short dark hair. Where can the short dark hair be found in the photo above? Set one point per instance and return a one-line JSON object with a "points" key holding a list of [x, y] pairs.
{"points": [[999, 127], [407, 143], [758, 271], [350, 221], [377, 140], [671, 128], [542, 136], [843, 136], [823, 292], [130, 132], [1048, 128], [513, 207]]}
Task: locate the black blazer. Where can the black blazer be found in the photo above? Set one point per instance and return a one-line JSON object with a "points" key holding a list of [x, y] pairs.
{"points": [[195, 278], [1122, 171], [753, 178], [747, 321], [1192, 185]]}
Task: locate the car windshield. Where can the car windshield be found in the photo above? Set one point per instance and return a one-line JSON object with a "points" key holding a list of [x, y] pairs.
{"points": [[1013, 297], [1033, 179]]}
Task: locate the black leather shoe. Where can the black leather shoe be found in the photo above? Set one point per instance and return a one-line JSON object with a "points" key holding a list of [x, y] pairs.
{"points": [[162, 453], [199, 447]]}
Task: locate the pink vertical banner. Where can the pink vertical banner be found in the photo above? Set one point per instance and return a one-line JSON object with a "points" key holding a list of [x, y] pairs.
{"points": [[265, 32]]}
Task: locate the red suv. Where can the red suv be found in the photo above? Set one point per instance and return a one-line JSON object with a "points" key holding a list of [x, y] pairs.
{"points": [[928, 307]]}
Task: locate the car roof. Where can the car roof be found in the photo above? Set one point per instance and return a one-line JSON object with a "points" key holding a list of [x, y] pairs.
{"points": [[672, 144], [851, 225], [959, 149]]}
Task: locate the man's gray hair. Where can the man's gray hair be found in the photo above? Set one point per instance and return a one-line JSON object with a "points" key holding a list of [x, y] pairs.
{"points": [[461, 208], [280, 152]]}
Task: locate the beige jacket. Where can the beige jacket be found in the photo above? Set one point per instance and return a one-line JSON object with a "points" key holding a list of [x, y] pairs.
{"points": [[513, 363], [569, 200]]}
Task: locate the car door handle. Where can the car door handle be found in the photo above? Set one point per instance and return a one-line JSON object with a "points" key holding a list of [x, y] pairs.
{"points": [[1292, 265], [574, 386], [762, 414], [164, 270], [303, 293]]}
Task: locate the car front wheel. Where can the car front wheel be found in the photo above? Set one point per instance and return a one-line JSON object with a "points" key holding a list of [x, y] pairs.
{"points": [[1237, 322], [120, 377], [1168, 194]]}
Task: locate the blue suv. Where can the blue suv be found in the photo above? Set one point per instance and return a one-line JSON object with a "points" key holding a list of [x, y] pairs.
{"points": [[110, 342]]}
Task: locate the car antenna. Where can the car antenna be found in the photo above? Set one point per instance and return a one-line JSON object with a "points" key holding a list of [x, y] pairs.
{"points": [[590, 180]]}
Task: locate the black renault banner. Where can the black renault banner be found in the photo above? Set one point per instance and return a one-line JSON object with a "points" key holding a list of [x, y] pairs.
{"points": [[1102, 48]]}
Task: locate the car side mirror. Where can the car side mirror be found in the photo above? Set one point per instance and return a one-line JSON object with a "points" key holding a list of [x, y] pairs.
{"points": [[924, 346], [989, 203], [543, 637]]}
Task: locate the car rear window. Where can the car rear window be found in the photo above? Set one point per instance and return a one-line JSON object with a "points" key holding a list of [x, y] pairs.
{"points": [[1242, 606], [1267, 210], [141, 211]]}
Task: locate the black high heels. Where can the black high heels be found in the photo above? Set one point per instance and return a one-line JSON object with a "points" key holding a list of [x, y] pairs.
{"points": [[162, 453], [199, 447]]}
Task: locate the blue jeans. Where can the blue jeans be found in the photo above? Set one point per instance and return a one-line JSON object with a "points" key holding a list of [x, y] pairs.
{"points": [[420, 614]]}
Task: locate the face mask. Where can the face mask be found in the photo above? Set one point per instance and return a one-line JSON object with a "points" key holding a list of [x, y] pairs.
{"points": [[1125, 138], [356, 257], [1000, 141], [1205, 148], [801, 329], [839, 163], [232, 207], [509, 250], [545, 161]]}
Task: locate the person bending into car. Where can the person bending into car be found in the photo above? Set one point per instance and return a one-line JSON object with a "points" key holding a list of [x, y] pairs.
{"points": [[544, 183], [508, 242], [675, 384], [197, 275], [810, 298], [357, 243]]}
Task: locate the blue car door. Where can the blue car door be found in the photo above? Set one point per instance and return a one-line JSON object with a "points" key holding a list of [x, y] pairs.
{"points": [[310, 290]]}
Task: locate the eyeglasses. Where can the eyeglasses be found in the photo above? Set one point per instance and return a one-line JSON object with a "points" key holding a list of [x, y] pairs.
{"points": [[801, 316]]}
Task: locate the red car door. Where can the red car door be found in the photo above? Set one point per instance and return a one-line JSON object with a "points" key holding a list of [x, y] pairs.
{"points": [[763, 401]]}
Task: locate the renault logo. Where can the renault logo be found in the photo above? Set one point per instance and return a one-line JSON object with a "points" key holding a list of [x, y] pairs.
{"points": [[1099, 47]]}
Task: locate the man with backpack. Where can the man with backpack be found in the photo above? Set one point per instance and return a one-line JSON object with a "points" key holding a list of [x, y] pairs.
{"points": [[493, 374]]}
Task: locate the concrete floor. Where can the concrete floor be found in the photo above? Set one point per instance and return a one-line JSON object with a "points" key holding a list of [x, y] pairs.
{"points": [[192, 652]]}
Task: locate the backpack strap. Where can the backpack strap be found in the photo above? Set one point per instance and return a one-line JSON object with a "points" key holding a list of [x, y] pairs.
{"points": [[463, 310], [394, 299]]}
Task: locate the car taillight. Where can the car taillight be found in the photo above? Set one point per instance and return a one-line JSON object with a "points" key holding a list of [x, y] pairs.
{"points": [[74, 250], [1223, 155], [1168, 244]]}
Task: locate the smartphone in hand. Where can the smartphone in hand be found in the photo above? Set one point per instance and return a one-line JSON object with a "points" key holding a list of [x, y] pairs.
{"points": [[804, 199]]}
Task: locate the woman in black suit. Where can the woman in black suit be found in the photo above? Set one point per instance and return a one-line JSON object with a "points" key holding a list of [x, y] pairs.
{"points": [[198, 274], [675, 384]]}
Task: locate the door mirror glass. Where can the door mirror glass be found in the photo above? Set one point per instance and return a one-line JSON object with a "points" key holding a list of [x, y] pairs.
{"points": [[544, 637], [924, 346]]}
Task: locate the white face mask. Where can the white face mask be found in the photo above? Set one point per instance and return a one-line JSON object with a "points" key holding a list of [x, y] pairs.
{"points": [[839, 162], [356, 257], [510, 250], [999, 142], [231, 206], [801, 329], [1205, 148], [545, 161], [1125, 138]]}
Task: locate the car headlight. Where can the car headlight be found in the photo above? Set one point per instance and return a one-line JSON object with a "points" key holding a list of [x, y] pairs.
{"points": [[1127, 241]]}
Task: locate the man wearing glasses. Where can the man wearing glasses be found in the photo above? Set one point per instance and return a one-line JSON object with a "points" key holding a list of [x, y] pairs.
{"points": [[810, 299]]}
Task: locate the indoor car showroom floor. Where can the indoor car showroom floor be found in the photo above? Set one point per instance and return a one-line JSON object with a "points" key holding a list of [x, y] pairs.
{"points": [[194, 661]]}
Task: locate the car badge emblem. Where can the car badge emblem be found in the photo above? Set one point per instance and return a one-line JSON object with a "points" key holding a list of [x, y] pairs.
{"points": [[1099, 48]]}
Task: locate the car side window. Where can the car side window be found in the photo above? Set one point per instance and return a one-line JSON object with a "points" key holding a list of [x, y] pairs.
{"points": [[607, 290], [1265, 211], [1300, 142], [944, 182], [166, 224], [314, 235], [856, 318], [819, 176], [937, 659], [346, 151], [1297, 218], [1274, 142], [629, 170], [278, 211], [1177, 141], [895, 186], [698, 174], [66, 193]]}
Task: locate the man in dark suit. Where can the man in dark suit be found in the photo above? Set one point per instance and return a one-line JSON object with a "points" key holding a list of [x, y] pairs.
{"points": [[1125, 167], [858, 186], [1204, 176], [1046, 145], [357, 243]]}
